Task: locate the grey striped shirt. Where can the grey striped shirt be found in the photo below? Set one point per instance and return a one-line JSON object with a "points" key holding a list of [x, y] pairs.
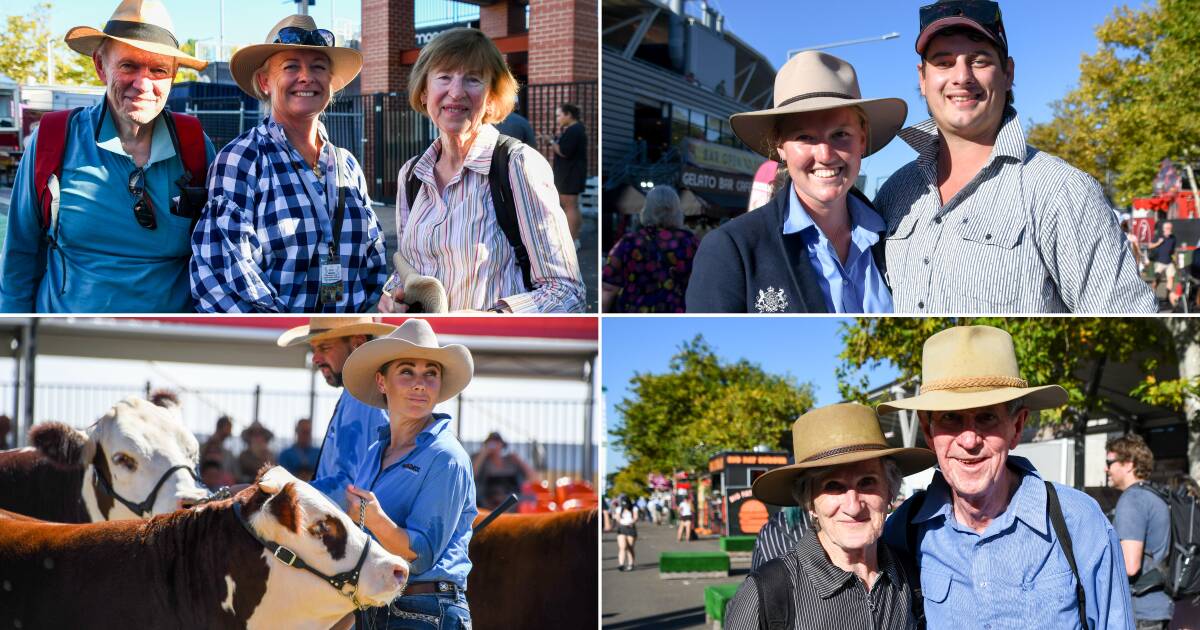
{"points": [[1028, 234], [825, 596]]}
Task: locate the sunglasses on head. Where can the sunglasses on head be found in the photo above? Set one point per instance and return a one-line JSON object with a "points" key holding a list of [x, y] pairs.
{"points": [[143, 210], [303, 36]]}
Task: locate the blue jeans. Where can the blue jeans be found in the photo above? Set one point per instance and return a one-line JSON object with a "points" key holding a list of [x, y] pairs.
{"points": [[433, 611]]}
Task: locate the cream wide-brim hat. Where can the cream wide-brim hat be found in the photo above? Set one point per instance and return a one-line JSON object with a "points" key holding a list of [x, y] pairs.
{"points": [[967, 367], [414, 339], [345, 62], [844, 433], [322, 328], [813, 81], [143, 24]]}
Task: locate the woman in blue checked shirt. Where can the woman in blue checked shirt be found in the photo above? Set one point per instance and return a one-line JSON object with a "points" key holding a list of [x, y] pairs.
{"points": [[450, 232], [288, 226]]}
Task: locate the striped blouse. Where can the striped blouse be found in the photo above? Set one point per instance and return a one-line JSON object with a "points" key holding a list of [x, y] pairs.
{"points": [[1028, 234], [454, 236]]}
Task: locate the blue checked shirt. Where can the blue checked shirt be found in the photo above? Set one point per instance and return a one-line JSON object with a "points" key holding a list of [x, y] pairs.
{"points": [[255, 247]]}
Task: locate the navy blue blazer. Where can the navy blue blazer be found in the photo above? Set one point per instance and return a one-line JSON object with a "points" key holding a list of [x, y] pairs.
{"points": [[749, 265]]}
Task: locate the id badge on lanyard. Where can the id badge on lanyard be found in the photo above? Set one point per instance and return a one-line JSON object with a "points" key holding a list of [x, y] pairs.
{"points": [[332, 286]]}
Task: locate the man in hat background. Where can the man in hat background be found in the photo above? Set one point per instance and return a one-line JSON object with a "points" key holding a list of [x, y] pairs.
{"points": [[981, 221], [982, 538], [116, 243], [1143, 523], [354, 425]]}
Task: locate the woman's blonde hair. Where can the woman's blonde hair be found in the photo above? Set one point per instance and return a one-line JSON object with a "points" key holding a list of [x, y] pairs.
{"points": [[469, 50]]}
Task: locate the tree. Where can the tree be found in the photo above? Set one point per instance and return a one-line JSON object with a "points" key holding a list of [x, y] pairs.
{"points": [[1135, 103], [24, 44], [701, 406]]}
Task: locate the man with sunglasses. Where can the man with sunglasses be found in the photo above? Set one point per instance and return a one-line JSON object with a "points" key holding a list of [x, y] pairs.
{"points": [[110, 231], [981, 221], [1143, 523]]}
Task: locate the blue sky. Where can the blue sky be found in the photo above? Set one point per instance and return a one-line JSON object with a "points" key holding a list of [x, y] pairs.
{"points": [[804, 347]]}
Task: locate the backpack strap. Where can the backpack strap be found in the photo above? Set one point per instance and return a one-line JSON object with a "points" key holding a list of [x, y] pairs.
{"points": [[412, 185], [504, 204], [189, 145], [1054, 508], [48, 163], [908, 560], [773, 581]]}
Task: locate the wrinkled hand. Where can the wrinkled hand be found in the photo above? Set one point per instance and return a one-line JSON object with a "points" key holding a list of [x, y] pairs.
{"points": [[374, 512], [393, 302]]}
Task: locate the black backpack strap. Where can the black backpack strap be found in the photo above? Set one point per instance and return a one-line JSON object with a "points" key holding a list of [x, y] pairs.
{"points": [[412, 185], [908, 560], [504, 204], [776, 610], [1054, 508]]}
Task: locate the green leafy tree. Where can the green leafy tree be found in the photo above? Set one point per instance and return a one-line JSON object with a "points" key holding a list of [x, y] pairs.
{"points": [[701, 406], [25, 43]]}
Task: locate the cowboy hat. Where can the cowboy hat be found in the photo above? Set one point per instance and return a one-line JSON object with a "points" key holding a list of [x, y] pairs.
{"points": [[414, 339], [256, 427], [815, 81], [967, 367], [143, 24], [321, 328], [346, 62], [831, 436]]}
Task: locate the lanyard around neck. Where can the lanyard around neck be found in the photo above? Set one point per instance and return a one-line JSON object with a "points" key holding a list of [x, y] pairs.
{"points": [[323, 205]]}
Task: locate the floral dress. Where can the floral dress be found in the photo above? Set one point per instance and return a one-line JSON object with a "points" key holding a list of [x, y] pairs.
{"points": [[651, 267]]}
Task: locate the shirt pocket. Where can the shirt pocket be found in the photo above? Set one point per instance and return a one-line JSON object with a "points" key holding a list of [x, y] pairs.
{"points": [[1052, 598], [989, 260], [935, 587]]}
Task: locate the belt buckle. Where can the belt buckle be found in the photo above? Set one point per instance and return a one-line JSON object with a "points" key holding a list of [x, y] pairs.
{"points": [[444, 587]]}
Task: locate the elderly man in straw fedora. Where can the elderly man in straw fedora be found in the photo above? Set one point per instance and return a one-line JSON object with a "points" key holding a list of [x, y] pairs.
{"points": [[110, 230], [845, 476], [993, 542], [354, 425]]}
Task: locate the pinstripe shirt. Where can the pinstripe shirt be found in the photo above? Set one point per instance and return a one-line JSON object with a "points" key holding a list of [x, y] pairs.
{"points": [[778, 536], [825, 596], [1028, 234], [454, 236]]}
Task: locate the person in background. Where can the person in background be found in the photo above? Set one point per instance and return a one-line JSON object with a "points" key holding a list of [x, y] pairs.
{"points": [[687, 519], [257, 452], [213, 476], [1162, 252], [1143, 523], [214, 449], [498, 472], [627, 518], [647, 271], [570, 163], [517, 126], [300, 458]]}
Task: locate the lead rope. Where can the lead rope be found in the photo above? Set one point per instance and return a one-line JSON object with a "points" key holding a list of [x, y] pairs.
{"points": [[370, 621]]}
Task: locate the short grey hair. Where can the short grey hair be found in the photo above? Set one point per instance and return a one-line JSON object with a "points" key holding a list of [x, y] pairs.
{"points": [[803, 484], [662, 208]]}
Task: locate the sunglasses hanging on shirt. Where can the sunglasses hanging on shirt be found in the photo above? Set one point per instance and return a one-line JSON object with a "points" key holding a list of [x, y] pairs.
{"points": [[143, 210]]}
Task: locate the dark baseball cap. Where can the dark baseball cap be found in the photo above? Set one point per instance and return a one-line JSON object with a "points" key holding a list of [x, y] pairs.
{"points": [[980, 15]]}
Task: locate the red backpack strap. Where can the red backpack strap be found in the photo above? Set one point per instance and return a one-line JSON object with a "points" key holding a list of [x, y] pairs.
{"points": [[51, 145], [191, 142]]}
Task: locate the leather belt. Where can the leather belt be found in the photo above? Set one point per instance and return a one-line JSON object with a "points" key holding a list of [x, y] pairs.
{"points": [[426, 588]]}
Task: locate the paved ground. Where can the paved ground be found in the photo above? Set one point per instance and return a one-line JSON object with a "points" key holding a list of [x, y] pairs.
{"points": [[640, 599]]}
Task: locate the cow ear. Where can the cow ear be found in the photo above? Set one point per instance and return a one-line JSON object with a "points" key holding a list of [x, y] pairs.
{"points": [[59, 443], [285, 507]]}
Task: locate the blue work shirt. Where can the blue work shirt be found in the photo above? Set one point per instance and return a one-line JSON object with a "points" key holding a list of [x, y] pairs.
{"points": [[352, 429], [1015, 574], [106, 262], [857, 286], [430, 493]]}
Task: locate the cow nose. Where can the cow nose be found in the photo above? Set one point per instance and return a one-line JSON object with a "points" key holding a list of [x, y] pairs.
{"points": [[400, 572]]}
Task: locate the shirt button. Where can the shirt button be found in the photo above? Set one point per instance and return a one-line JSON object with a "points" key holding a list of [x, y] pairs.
{"points": [[964, 219], [987, 237], [926, 260], [920, 305], [937, 219]]}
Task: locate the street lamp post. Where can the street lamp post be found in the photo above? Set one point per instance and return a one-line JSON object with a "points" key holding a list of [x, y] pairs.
{"points": [[848, 42]]}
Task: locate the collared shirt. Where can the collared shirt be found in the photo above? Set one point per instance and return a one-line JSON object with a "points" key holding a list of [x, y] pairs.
{"points": [[827, 596], [779, 535], [430, 493], [853, 287], [105, 262], [255, 248], [454, 236], [1029, 233], [1015, 574], [352, 429]]}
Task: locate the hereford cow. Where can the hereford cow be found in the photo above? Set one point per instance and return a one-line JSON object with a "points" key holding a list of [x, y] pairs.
{"points": [[135, 462], [535, 571], [198, 568]]}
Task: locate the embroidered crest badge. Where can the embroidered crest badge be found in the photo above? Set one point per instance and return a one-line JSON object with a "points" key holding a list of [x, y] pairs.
{"points": [[771, 300]]}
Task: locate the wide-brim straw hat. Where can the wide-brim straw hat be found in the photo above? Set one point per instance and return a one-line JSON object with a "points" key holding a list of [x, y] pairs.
{"points": [[414, 339], [143, 24], [831, 436], [321, 328], [813, 81], [256, 428], [345, 62], [967, 367]]}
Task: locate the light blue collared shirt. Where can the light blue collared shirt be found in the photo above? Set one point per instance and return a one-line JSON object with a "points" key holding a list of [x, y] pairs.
{"points": [[857, 286], [352, 429], [1015, 574]]}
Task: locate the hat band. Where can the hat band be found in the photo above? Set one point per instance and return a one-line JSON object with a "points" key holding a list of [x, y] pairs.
{"points": [[842, 450], [141, 32], [973, 381], [815, 95]]}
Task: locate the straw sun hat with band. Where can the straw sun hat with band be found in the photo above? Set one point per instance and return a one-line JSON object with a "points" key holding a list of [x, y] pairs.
{"points": [[143, 24], [967, 367], [831, 436], [414, 339], [291, 33], [322, 328], [814, 81]]}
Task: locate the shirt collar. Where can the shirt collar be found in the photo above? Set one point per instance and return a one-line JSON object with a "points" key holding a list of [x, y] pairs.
{"points": [[1010, 141], [275, 131], [478, 159], [1028, 503], [161, 147], [862, 217], [826, 577], [427, 435]]}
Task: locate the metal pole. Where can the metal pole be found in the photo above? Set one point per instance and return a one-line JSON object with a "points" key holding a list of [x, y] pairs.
{"points": [[848, 42], [257, 400], [302, 7], [17, 347], [221, 33], [50, 61], [589, 470], [147, 389], [28, 355], [312, 392], [458, 418]]}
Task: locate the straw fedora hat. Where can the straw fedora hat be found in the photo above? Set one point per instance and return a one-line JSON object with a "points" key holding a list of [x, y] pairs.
{"points": [[813, 81], [966, 367], [346, 62], [414, 339], [831, 436], [256, 428], [321, 328], [143, 24]]}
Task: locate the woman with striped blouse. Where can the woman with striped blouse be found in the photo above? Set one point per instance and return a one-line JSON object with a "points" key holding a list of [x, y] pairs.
{"points": [[450, 231]]}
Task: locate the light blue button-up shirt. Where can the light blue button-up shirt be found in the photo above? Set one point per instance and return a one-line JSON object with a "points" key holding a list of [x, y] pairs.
{"points": [[1015, 574], [352, 429], [857, 286]]}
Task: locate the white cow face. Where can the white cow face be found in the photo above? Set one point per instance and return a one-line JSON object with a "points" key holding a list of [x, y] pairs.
{"points": [[132, 449], [299, 517]]}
